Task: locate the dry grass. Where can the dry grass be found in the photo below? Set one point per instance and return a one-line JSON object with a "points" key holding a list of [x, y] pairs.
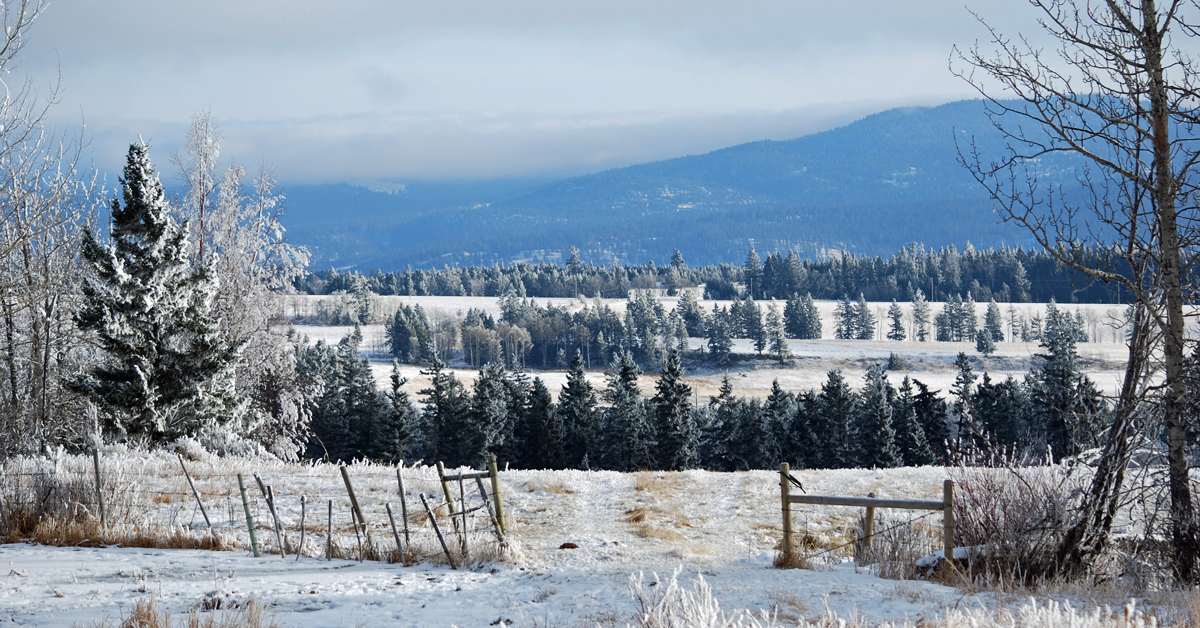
{"points": [[147, 614], [651, 531], [555, 484], [636, 515]]}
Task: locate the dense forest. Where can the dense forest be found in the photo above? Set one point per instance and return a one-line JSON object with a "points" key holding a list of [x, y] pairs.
{"points": [[1055, 411], [1004, 274]]}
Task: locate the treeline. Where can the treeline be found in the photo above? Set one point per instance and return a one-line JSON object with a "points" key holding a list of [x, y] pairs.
{"points": [[1055, 410], [1005, 274]]}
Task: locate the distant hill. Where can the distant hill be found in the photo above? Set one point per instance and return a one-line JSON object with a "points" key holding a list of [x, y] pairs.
{"points": [[869, 187]]}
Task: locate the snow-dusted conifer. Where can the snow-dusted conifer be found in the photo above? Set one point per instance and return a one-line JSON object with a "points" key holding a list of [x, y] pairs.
{"points": [[875, 422], [580, 417], [677, 433], [629, 434], [166, 372]]}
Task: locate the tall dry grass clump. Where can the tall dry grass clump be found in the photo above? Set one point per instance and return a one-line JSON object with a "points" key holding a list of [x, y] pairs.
{"points": [[147, 614]]}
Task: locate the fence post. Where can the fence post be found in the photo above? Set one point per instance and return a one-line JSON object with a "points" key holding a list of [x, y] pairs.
{"points": [[869, 528], [354, 504], [403, 504], [249, 517], [99, 490], [785, 494], [329, 535], [496, 493], [948, 521], [301, 549], [195, 493], [438, 531]]}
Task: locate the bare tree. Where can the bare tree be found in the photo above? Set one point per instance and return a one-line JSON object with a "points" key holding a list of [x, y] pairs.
{"points": [[46, 200], [1120, 91]]}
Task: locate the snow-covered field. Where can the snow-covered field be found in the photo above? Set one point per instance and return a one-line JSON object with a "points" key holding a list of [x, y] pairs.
{"points": [[1103, 358], [724, 526]]}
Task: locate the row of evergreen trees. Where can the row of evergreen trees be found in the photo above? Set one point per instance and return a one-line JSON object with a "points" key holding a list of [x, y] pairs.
{"points": [[1054, 409], [1006, 275]]}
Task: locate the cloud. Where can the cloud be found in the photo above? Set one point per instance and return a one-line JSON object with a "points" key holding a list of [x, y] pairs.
{"points": [[389, 90]]}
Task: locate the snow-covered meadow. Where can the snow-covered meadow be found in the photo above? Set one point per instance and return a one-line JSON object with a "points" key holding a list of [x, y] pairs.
{"points": [[724, 526]]}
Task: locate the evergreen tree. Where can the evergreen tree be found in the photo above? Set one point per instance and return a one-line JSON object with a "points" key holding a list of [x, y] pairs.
{"points": [[834, 425], [776, 335], [752, 320], [800, 318], [1003, 411], [993, 322], [845, 324], [720, 340], [720, 430], [813, 319], [932, 413], [1065, 404], [630, 434], [864, 320], [879, 448], [800, 445], [968, 430], [392, 436], [777, 415], [549, 436], [984, 343], [920, 308], [896, 315], [408, 334], [678, 436], [164, 371], [753, 273], [446, 405], [580, 418], [692, 314], [910, 436], [970, 322]]}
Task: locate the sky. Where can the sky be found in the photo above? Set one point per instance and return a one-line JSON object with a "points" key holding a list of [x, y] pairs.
{"points": [[375, 92]]}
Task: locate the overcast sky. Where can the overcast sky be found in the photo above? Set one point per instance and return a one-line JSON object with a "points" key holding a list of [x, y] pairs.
{"points": [[376, 91]]}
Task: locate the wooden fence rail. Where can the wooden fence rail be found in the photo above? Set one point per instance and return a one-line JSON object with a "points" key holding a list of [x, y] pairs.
{"points": [[870, 503]]}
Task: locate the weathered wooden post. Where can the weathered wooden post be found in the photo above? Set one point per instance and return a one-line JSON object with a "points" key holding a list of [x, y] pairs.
{"points": [[275, 517], [403, 503], [300, 551], [869, 527], [329, 536], [249, 517], [354, 504], [438, 531], [948, 521], [395, 534], [496, 493], [195, 493], [785, 498], [100, 490]]}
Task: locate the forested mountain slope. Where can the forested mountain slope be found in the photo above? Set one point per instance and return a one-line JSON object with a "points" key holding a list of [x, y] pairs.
{"points": [[869, 187]]}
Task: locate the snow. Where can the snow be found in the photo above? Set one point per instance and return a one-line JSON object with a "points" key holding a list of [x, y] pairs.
{"points": [[724, 526]]}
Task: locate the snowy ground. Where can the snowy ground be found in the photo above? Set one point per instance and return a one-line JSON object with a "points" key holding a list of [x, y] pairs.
{"points": [[724, 526]]}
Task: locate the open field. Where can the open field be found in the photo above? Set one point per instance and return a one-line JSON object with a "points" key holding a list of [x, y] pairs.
{"points": [[1102, 359]]}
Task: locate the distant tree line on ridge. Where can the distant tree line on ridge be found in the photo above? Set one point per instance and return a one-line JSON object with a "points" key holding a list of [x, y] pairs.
{"points": [[1006, 275]]}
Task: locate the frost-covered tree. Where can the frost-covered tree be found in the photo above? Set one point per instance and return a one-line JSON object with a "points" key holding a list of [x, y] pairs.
{"points": [[677, 433], [920, 310], [896, 316], [864, 320], [910, 436], [630, 439], [776, 336], [845, 324], [875, 429], [720, 337], [993, 322], [834, 426], [238, 234], [577, 410], [166, 371]]}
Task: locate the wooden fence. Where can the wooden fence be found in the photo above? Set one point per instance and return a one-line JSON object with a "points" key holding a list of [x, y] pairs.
{"points": [[870, 503]]}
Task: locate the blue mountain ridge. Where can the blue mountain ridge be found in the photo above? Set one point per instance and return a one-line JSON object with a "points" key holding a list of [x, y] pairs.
{"points": [[869, 187]]}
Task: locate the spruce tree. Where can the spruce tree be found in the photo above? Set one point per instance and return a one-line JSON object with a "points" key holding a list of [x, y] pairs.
{"points": [[910, 436], [720, 340], [970, 322], [753, 274], [864, 320], [580, 418], [984, 343], [993, 322], [752, 320], [446, 405], [678, 436], [874, 419], [1003, 411], [164, 371], [547, 443], [1064, 402], [393, 434], [692, 314], [834, 424], [896, 316], [920, 309], [719, 430], [845, 324], [776, 335], [793, 317], [630, 440], [933, 413], [813, 322]]}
